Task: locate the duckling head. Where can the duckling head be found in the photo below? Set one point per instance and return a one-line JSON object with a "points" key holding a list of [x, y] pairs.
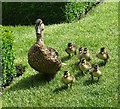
{"points": [[86, 50], [103, 49], [83, 61], [96, 67], [69, 44], [66, 73], [81, 49]]}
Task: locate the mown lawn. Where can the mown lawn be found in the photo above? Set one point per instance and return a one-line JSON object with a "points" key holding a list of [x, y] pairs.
{"points": [[98, 29]]}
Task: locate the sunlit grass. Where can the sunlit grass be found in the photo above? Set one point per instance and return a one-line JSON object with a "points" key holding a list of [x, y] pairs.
{"points": [[99, 28]]}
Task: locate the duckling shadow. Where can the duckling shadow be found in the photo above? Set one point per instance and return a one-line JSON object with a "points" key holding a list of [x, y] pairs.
{"points": [[90, 82], [101, 64], [60, 89], [32, 81], [65, 58]]}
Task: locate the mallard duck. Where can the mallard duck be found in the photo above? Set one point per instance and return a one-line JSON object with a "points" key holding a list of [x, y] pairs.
{"points": [[71, 49], [95, 72], [103, 54], [43, 59], [80, 53], [68, 78], [84, 65]]}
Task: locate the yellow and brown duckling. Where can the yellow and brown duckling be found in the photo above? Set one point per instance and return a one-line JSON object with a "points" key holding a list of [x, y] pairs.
{"points": [[95, 72], [80, 53], [68, 79], [84, 66], [86, 54], [71, 49], [103, 55]]}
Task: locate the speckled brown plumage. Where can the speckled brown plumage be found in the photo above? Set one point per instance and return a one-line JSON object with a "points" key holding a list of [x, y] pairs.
{"points": [[44, 60]]}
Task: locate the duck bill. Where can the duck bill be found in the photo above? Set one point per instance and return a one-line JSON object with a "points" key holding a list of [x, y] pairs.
{"points": [[38, 30]]}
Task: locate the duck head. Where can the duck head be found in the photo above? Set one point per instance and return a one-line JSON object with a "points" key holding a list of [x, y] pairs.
{"points": [[96, 67], [81, 49], [66, 73], [103, 50], [39, 26], [86, 50], [83, 61], [70, 44]]}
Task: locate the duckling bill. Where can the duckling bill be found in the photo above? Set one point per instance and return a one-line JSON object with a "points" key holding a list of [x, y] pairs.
{"points": [[68, 79], [71, 49]]}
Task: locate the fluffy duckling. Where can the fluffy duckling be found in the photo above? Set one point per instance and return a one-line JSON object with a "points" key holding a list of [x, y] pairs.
{"points": [[68, 79], [96, 72], [80, 53], [86, 54], [103, 54], [84, 66], [71, 48]]}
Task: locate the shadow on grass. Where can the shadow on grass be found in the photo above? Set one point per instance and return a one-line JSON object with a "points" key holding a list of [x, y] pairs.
{"points": [[32, 81], [60, 89], [101, 64], [90, 82], [65, 58]]}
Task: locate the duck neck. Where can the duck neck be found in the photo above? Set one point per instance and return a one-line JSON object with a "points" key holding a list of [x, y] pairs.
{"points": [[40, 39]]}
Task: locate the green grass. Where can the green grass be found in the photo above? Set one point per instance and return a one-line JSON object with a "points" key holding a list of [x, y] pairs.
{"points": [[99, 28]]}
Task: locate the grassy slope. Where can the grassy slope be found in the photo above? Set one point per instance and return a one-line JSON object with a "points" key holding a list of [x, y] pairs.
{"points": [[99, 28]]}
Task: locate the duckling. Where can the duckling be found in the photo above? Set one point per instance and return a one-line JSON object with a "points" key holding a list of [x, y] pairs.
{"points": [[95, 72], [68, 79], [71, 48], [80, 52], [86, 54], [103, 55], [84, 66]]}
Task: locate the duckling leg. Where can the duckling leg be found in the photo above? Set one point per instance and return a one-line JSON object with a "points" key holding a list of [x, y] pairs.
{"points": [[83, 74], [105, 61], [98, 79], [75, 52], [71, 84], [92, 77]]}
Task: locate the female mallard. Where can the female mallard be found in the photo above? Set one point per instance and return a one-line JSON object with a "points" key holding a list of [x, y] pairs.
{"points": [[68, 78], [95, 72], [71, 49], [84, 65], [43, 59], [103, 54]]}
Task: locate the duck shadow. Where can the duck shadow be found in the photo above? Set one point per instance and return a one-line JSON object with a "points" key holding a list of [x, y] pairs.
{"points": [[60, 89], [32, 81]]}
